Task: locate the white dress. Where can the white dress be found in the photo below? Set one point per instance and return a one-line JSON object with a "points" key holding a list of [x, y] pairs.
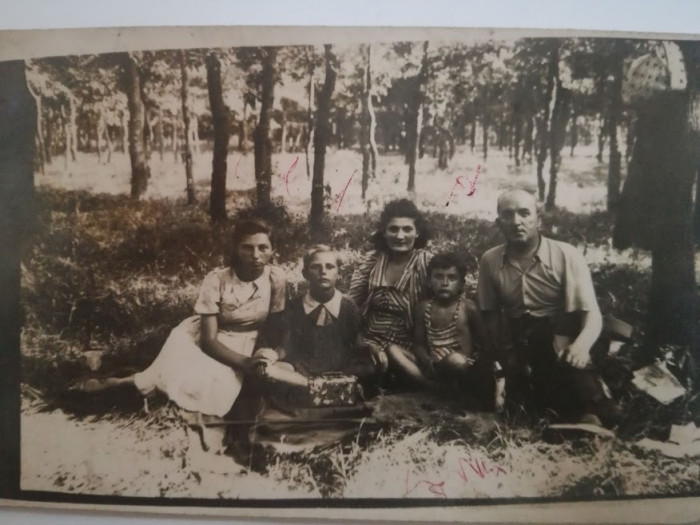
{"points": [[184, 372]]}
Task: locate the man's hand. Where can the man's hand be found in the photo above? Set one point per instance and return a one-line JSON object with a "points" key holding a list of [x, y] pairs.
{"points": [[575, 355]]}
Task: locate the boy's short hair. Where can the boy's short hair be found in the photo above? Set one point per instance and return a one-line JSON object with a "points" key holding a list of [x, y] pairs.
{"points": [[321, 248], [445, 260]]}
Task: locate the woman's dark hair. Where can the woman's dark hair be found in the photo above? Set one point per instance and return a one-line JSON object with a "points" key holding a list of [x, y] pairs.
{"points": [[245, 228], [446, 260], [401, 208]]}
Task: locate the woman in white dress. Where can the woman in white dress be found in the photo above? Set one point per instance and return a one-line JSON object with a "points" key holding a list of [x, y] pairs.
{"points": [[202, 364]]}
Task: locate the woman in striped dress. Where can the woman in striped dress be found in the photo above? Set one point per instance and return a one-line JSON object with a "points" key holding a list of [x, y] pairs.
{"points": [[388, 284]]}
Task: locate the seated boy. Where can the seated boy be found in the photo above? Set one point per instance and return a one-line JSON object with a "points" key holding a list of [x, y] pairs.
{"points": [[321, 327], [450, 335]]}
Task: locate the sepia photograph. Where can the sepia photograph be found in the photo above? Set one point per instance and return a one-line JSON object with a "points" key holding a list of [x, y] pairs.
{"points": [[354, 268]]}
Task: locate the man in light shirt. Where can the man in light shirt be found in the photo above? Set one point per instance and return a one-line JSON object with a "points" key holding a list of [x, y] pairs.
{"points": [[541, 312]]}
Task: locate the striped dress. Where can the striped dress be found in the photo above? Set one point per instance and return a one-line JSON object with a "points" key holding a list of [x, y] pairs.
{"points": [[387, 311], [442, 341]]}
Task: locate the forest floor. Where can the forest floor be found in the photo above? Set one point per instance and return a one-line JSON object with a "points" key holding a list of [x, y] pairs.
{"points": [[106, 276]]}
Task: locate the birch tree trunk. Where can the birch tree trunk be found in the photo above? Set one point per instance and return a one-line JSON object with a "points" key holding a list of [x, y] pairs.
{"points": [[40, 148], [614, 117], [557, 129], [368, 124], [543, 123], [415, 120], [187, 153]]}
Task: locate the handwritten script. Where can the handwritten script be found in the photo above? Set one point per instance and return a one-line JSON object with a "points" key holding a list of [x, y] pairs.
{"points": [[338, 199], [469, 188], [468, 470], [288, 178]]}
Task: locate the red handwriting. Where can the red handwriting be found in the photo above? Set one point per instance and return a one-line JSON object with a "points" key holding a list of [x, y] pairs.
{"points": [[435, 488], [459, 184], [479, 467], [339, 197], [287, 179]]}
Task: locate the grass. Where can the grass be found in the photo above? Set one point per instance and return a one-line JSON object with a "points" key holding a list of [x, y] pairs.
{"points": [[102, 272]]}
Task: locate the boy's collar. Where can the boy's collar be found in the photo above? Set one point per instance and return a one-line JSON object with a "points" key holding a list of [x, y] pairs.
{"points": [[333, 306]]}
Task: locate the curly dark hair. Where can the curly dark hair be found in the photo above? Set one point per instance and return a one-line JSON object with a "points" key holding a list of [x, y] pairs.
{"points": [[445, 260], [403, 208], [245, 228]]}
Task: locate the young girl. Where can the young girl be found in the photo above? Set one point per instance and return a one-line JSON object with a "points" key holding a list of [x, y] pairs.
{"points": [[450, 336]]}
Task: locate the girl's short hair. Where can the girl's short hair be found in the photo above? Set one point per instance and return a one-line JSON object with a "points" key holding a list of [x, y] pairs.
{"points": [[321, 248], [403, 208], [446, 260], [245, 228]]}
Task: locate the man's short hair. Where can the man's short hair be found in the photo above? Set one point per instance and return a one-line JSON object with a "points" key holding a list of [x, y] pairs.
{"points": [[530, 194], [446, 260]]}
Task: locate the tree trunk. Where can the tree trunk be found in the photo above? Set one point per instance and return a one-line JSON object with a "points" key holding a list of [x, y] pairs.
{"points": [[140, 171], [629, 138], [574, 129], [485, 134], [261, 136], [69, 128], [159, 133], [321, 138], [672, 298], [501, 134], [187, 153], [194, 129], [655, 212], [614, 116], [310, 113], [283, 129], [175, 144], [220, 119], [125, 131], [243, 129], [528, 141], [517, 134], [443, 138], [49, 135], [543, 123], [17, 212], [557, 133], [602, 128], [105, 129], [415, 112], [472, 135], [368, 145], [40, 147], [98, 133]]}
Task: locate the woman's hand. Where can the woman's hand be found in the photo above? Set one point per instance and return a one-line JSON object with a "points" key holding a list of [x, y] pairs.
{"points": [[379, 358], [254, 366], [268, 354]]}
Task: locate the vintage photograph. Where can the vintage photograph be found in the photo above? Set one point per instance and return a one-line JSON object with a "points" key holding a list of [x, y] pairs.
{"points": [[455, 267]]}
